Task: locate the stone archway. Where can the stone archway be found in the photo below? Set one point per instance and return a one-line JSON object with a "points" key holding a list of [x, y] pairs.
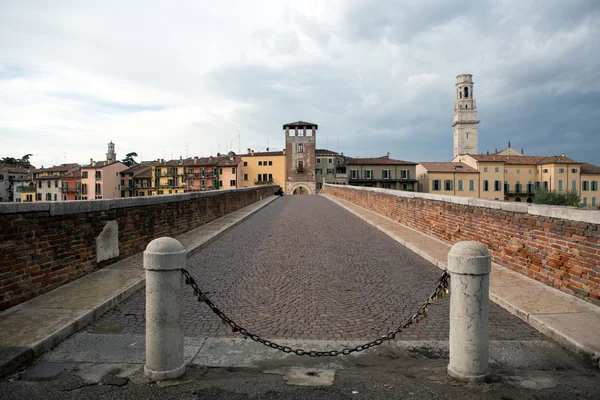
{"points": [[530, 199], [300, 190], [518, 199]]}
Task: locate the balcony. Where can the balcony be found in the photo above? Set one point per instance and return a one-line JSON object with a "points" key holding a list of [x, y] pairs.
{"points": [[300, 170], [69, 190], [268, 182], [26, 189]]}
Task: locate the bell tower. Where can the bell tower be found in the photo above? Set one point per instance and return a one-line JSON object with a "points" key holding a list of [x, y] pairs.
{"points": [[111, 156], [465, 124]]}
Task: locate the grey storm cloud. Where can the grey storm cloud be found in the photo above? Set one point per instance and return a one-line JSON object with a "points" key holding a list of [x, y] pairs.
{"points": [[377, 76]]}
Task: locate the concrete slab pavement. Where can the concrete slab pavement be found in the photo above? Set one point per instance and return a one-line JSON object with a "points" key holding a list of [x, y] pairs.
{"points": [[35, 326], [571, 322]]}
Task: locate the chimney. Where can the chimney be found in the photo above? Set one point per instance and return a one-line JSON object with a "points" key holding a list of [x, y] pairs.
{"points": [[488, 153], [267, 149], [509, 144], [196, 159], [522, 151], [562, 155], [249, 150], [91, 161]]}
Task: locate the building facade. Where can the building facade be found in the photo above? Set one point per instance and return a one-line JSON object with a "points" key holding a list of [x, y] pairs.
{"points": [[259, 168], [330, 168], [8, 175], [230, 173], [49, 182], [300, 154], [465, 124], [382, 172], [456, 179]]}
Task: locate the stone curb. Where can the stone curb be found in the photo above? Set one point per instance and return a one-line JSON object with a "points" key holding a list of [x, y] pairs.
{"points": [[562, 338], [26, 354]]}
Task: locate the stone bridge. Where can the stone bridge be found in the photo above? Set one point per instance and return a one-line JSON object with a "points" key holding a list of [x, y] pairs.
{"points": [[348, 264]]}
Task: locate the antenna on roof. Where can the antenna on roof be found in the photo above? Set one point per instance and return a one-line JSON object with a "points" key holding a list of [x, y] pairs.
{"points": [[186, 149], [239, 144]]}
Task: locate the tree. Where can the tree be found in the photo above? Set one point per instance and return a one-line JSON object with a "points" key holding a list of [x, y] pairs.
{"points": [[17, 162], [128, 160], [568, 198]]}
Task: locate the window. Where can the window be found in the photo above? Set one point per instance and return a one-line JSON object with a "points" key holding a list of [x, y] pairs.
{"points": [[405, 174], [497, 186], [38, 196], [585, 201], [460, 185], [561, 170], [530, 171], [190, 170], [300, 147], [506, 187], [246, 177], [84, 174], [530, 188], [220, 171], [84, 188], [485, 169], [300, 165], [49, 184], [368, 174], [48, 196], [232, 182], [318, 171], [98, 174], [448, 185], [318, 161], [518, 170], [233, 171], [497, 169], [353, 174], [329, 171], [330, 161], [506, 170], [546, 185], [593, 202], [270, 163], [56, 183], [560, 186], [594, 186], [220, 184], [574, 170], [545, 170], [585, 185], [486, 186], [245, 163], [260, 163], [385, 174], [466, 92], [518, 187], [472, 185], [436, 185], [55, 197], [573, 185], [271, 177]]}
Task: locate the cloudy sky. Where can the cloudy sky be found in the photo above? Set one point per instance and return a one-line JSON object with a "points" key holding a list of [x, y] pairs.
{"points": [[174, 78]]}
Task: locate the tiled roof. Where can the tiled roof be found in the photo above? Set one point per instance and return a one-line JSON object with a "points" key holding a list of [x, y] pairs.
{"points": [[101, 164], [300, 124], [523, 160], [378, 161], [227, 161], [447, 167], [57, 168], [587, 168], [145, 174], [326, 152], [264, 154], [557, 160]]}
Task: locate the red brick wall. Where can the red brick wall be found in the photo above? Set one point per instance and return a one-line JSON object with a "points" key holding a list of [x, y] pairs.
{"points": [[45, 245], [560, 252]]}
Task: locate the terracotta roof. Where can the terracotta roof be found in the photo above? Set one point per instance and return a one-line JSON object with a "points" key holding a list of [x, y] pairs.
{"points": [[327, 152], [587, 168], [264, 154], [145, 174], [378, 161], [57, 168], [448, 167], [300, 124], [226, 161], [557, 160], [101, 164]]}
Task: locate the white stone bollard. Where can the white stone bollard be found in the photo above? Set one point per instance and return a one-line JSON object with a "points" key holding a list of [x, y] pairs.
{"points": [[163, 260], [469, 265]]}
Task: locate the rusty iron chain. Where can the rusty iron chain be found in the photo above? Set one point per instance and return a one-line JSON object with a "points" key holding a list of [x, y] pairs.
{"points": [[441, 291]]}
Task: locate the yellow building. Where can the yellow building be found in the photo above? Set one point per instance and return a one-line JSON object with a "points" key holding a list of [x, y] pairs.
{"points": [[590, 180], [450, 178], [168, 178], [263, 168]]}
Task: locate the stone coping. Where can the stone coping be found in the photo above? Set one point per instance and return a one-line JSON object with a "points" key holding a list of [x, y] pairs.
{"points": [[562, 212], [86, 206]]}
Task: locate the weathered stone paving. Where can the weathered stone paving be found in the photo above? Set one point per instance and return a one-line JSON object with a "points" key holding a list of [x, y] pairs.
{"points": [[304, 268]]}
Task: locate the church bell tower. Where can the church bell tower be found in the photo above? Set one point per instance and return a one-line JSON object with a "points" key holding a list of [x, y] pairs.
{"points": [[465, 124]]}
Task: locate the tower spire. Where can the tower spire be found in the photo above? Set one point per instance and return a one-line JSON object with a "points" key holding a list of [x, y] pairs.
{"points": [[465, 122]]}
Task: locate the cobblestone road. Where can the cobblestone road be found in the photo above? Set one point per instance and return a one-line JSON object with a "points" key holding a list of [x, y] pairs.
{"points": [[304, 268]]}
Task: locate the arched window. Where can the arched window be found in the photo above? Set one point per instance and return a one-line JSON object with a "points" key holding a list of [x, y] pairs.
{"points": [[466, 93], [466, 106], [461, 94]]}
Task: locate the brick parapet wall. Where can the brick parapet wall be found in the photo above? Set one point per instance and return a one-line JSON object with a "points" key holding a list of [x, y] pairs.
{"points": [[44, 245], [559, 246]]}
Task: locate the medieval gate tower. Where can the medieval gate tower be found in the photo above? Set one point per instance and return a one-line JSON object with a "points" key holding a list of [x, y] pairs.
{"points": [[465, 123], [300, 159]]}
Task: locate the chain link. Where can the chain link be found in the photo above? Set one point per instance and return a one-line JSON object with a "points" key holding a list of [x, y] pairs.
{"points": [[441, 291]]}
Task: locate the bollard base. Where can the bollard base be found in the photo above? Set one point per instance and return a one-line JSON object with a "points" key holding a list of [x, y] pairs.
{"points": [[465, 377], [164, 375]]}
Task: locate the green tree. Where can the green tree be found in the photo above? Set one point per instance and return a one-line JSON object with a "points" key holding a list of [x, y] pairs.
{"points": [[17, 162], [128, 160], [568, 198]]}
